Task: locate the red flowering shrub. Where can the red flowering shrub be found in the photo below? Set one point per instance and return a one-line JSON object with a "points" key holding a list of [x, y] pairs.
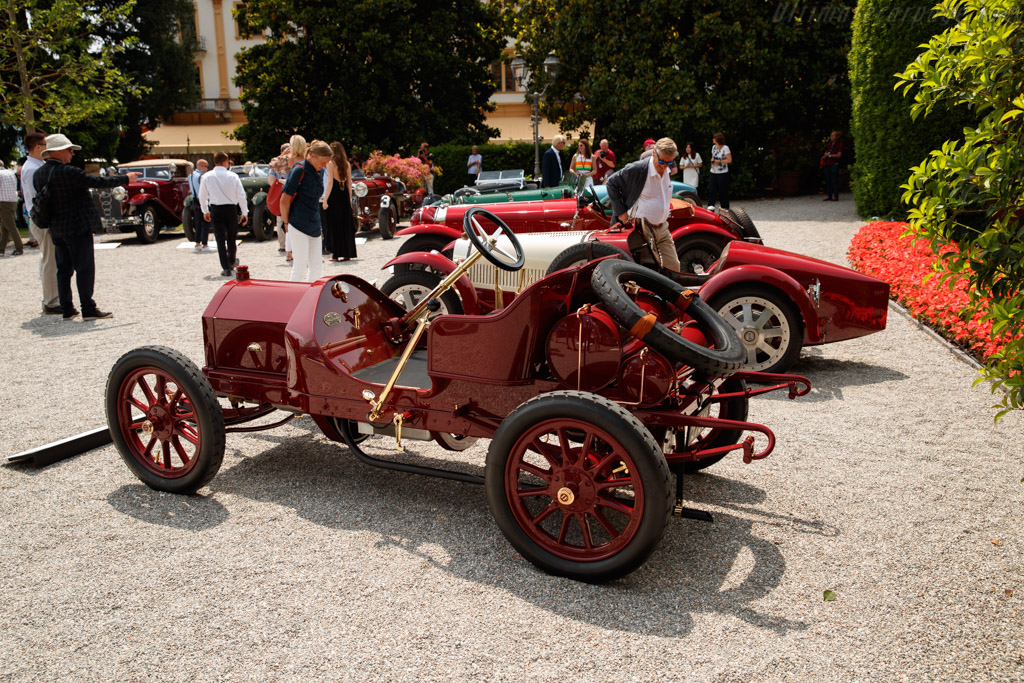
{"points": [[885, 250]]}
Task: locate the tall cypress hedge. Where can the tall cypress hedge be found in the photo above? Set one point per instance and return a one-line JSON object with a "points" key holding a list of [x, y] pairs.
{"points": [[887, 35]]}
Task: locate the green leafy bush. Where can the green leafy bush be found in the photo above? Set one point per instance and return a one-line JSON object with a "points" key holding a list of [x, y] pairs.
{"points": [[886, 37], [966, 196]]}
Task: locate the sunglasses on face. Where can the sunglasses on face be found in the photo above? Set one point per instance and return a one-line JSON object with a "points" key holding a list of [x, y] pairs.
{"points": [[666, 163]]}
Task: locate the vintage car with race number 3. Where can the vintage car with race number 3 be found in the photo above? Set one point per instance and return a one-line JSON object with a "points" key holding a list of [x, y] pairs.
{"points": [[595, 386]]}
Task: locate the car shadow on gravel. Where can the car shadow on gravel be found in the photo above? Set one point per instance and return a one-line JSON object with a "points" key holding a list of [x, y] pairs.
{"points": [[54, 327], [829, 376], [193, 513], [723, 568]]}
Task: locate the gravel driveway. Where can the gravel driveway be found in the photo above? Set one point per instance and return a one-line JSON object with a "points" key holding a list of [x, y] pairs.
{"points": [[890, 486]]}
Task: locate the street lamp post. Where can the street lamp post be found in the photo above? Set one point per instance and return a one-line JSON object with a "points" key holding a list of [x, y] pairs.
{"points": [[524, 81]]}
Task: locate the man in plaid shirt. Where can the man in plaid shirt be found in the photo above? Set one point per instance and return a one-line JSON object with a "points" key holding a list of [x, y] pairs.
{"points": [[73, 220], [9, 210]]}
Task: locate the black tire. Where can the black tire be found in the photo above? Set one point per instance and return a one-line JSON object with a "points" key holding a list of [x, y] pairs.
{"points": [[425, 243], [638, 508], [733, 409], [584, 252], [263, 223], [193, 418], [150, 228], [743, 218], [692, 197], [387, 222], [697, 251], [187, 222], [724, 359], [409, 288], [784, 321]]}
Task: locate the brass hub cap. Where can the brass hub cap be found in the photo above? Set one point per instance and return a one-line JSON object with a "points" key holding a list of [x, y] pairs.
{"points": [[574, 490]]}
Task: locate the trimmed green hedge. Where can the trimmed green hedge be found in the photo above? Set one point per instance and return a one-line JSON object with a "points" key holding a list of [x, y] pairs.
{"points": [[886, 38]]}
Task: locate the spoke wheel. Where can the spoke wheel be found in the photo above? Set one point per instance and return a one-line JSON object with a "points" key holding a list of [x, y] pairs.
{"points": [[703, 439], [697, 255], [409, 288], [767, 324], [150, 227], [165, 420], [578, 486]]}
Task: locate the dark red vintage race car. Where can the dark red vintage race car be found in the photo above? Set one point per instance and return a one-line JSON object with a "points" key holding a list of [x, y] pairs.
{"points": [[699, 234], [777, 301], [594, 385]]}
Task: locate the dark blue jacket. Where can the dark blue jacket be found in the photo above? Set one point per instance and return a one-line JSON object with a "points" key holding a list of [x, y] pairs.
{"points": [[551, 168]]}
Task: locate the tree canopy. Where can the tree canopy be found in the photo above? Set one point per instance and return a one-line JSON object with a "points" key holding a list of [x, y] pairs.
{"points": [[368, 72], [966, 198], [771, 77], [53, 73]]}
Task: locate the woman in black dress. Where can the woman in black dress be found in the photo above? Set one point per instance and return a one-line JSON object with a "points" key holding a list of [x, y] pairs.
{"points": [[338, 205]]}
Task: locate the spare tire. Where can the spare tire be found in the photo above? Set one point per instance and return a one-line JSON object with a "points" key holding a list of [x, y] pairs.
{"points": [[729, 353], [741, 217], [584, 252]]}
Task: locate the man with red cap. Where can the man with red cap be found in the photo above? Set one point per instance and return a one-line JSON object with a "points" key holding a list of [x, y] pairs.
{"points": [[648, 148]]}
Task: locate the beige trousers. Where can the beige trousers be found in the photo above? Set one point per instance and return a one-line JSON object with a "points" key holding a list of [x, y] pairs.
{"points": [[662, 237], [47, 264]]}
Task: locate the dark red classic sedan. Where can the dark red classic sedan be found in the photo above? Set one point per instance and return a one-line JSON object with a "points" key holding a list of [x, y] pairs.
{"points": [[154, 201]]}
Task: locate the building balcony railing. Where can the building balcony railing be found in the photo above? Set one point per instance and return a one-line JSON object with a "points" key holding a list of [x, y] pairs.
{"points": [[219, 105]]}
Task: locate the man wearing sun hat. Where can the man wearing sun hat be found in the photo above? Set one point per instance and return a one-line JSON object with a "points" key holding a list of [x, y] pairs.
{"points": [[74, 218]]}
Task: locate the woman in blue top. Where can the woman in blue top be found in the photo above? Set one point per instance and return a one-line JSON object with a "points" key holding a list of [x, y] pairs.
{"points": [[300, 211]]}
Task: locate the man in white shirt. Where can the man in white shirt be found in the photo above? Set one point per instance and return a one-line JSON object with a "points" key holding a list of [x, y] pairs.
{"points": [[35, 143], [474, 166], [642, 191], [222, 199]]}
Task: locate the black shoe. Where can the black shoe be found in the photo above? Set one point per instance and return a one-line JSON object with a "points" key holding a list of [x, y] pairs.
{"points": [[17, 253], [96, 315], [226, 272], [52, 310], [71, 315]]}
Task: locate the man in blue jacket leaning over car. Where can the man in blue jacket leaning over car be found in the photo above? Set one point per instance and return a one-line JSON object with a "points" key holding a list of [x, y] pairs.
{"points": [[642, 191]]}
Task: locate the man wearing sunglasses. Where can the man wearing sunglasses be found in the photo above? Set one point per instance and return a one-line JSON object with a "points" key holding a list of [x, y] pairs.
{"points": [[642, 191]]}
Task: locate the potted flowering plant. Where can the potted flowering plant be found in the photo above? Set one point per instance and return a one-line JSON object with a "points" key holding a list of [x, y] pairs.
{"points": [[410, 170]]}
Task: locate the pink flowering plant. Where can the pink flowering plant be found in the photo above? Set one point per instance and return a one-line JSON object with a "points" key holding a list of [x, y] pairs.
{"points": [[889, 252], [410, 170]]}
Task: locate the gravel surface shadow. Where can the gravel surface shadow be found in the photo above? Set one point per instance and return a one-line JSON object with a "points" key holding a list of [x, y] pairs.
{"points": [[890, 485]]}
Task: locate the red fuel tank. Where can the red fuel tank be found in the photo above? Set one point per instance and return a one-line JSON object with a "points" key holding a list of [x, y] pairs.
{"points": [[584, 350]]}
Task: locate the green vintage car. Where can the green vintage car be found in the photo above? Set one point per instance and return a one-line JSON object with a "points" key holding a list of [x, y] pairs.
{"points": [[565, 190], [256, 183]]}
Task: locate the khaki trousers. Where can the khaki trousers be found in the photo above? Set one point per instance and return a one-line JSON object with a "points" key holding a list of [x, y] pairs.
{"points": [[47, 264], [9, 226], [662, 237]]}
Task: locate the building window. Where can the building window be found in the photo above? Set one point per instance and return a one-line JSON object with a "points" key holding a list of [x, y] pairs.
{"points": [[505, 80], [242, 31]]}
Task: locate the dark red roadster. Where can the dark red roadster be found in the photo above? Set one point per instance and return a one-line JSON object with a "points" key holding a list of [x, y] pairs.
{"points": [[594, 385]]}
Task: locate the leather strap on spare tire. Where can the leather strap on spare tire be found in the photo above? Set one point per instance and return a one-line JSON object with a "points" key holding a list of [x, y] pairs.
{"points": [[726, 358]]}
